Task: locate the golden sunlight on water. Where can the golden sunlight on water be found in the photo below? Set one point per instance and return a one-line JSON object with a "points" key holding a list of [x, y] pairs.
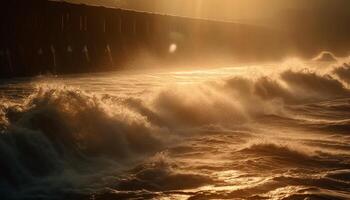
{"points": [[274, 131], [174, 100]]}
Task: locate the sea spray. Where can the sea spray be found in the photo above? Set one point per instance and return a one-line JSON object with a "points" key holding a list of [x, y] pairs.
{"points": [[177, 134]]}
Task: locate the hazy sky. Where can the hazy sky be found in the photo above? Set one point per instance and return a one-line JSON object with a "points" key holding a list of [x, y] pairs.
{"points": [[257, 10]]}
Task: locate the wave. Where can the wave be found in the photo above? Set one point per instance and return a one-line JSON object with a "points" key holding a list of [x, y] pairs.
{"points": [[341, 127], [341, 175], [236, 99], [325, 56], [56, 129], [61, 129], [298, 155], [240, 99], [283, 188], [343, 72], [160, 174]]}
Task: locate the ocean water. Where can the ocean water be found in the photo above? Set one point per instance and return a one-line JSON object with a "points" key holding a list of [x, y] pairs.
{"points": [[270, 131]]}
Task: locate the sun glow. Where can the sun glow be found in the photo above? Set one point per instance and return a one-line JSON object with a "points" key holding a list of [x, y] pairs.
{"points": [[172, 48]]}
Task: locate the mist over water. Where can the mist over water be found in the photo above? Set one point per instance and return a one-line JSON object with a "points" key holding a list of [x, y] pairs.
{"points": [[278, 131]]}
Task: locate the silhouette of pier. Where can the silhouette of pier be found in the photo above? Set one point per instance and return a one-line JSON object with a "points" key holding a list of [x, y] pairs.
{"points": [[40, 36]]}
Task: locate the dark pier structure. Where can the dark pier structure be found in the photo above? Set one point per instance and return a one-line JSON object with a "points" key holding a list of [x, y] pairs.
{"points": [[40, 36]]}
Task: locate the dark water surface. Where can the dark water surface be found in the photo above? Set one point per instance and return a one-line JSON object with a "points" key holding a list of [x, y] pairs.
{"points": [[278, 131]]}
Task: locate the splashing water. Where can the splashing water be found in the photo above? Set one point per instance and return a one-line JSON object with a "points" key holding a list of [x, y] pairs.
{"points": [[250, 132]]}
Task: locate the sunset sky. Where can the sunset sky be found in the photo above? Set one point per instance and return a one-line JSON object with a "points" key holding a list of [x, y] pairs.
{"points": [[232, 10]]}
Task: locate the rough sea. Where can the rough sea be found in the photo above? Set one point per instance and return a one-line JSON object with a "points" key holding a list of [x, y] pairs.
{"points": [[276, 131]]}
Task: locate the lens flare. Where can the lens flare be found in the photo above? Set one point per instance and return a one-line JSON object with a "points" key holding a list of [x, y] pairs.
{"points": [[172, 48]]}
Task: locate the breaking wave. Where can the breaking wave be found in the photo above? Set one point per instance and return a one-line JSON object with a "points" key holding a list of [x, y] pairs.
{"points": [[57, 127], [59, 130]]}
